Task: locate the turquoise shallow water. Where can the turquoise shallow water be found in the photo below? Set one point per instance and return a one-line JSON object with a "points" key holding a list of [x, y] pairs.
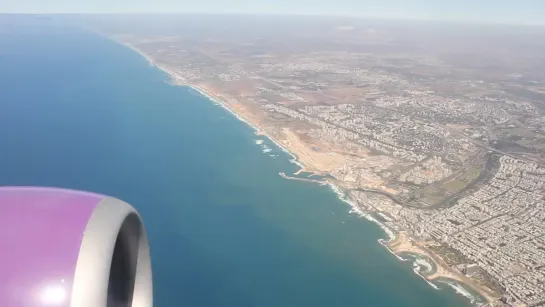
{"points": [[79, 111]]}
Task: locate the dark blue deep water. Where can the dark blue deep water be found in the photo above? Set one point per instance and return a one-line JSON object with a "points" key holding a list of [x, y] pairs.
{"points": [[80, 111]]}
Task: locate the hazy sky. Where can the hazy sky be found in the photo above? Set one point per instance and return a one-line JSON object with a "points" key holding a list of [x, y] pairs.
{"points": [[509, 11]]}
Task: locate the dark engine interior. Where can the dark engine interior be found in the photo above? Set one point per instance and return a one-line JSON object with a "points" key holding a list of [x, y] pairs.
{"points": [[123, 265]]}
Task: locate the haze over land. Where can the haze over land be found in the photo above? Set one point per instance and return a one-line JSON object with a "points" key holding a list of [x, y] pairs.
{"points": [[436, 129], [487, 11]]}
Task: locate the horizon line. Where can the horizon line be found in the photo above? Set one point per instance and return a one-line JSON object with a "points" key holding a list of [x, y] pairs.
{"points": [[351, 16]]}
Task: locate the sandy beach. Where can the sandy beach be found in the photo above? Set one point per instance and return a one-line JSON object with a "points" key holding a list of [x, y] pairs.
{"points": [[309, 161]]}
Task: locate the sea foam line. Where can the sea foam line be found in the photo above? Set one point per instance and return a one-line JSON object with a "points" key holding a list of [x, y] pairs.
{"points": [[462, 291], [417, 266], [356, 209], [176, 78], [384, 243], [434, 286], [391, 236], [336, 190], [340, 194], [254, 127], [423, 262]]}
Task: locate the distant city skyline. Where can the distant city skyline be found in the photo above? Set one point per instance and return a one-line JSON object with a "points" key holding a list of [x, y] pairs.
{"points": [[495, 11]]}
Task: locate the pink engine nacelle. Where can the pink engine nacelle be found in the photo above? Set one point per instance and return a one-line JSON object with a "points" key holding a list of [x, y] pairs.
{"points": [[64, 248]]}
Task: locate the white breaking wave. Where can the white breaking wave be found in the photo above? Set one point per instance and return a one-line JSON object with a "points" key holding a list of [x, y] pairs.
{"points": [[423, 263], [462, 291], [354, 208], [255, 128], [391, 236], [417, 269]]}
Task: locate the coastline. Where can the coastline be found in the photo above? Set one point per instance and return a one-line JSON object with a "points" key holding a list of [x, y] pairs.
{"points": [[395, 242], [444, 274], [441, 272], [219, 101]]}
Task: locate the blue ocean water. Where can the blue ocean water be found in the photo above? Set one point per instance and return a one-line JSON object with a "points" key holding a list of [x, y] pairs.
{"points": [[80, 111]]}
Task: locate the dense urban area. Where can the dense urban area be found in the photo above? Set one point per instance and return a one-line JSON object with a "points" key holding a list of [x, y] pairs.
{"points": [[438, 131]]}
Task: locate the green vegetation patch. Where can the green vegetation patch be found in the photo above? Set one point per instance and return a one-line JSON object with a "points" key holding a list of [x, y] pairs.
{"points": [[462, 181]]}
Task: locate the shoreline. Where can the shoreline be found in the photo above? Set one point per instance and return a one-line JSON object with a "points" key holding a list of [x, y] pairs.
{"points": [[395, 243], [179, 81], [441, 272], [257, 130]]}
